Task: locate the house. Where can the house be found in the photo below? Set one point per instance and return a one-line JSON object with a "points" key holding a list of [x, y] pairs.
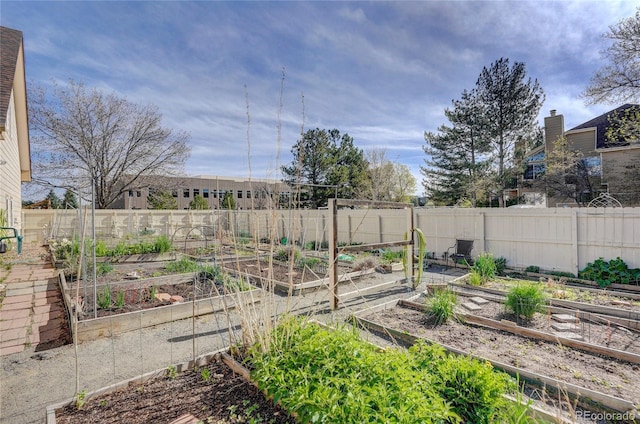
{"points": [[247, 193], [611, 162], [15, 158]]}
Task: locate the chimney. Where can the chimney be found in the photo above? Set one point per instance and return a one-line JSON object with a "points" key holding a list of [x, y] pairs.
{"points": [[553, 128], [553, 112]]}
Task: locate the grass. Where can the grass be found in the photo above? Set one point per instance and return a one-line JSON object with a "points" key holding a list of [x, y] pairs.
{"points": [[441, 306], [525, 299]]}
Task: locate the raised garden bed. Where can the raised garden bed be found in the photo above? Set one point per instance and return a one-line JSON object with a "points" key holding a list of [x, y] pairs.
{"points": [[284, 280], [594, 379], [206, 389], [148, 302]]}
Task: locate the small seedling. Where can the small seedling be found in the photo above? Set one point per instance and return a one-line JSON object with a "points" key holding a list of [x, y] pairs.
{"points": [[80, 399], [172, 372], [205, 373]]}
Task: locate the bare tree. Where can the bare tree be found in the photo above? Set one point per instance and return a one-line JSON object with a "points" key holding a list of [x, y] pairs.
{"points": [[619, 80], [83, 137], [380, 179]]}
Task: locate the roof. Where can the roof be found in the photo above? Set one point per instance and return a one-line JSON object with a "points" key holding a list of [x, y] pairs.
{"points": [[601, 123], [10, 43]]}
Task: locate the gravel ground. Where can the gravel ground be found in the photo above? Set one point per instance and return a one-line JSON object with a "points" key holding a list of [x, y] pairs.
{"points": [[33, 380]]}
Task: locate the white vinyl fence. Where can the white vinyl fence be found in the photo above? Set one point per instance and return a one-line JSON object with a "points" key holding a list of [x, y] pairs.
{"points": [[560, 239]]}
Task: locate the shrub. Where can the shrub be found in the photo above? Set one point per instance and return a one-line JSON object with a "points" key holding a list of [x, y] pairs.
{"points": [[533, 268], [284, 253], [525, 299], [609, 272], [441, 306]]}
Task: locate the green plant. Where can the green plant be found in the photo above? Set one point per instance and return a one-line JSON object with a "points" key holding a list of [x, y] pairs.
{"points": [[162, 244], [390, 256], [472, 387], [205, 374], [153, 291], [561, 274], [533, 268], [485, 267], [441, 306], [81, 399], [182, 265], [171, 372], [525, 299], [103, 268], [501, 264], [474, 278], [609, 272], [104, 298], [283, 254], [120, 299]]}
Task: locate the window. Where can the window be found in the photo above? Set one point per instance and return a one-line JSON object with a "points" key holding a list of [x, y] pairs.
{"points": [[205, 193], [593, 165], [185, 193], [215, 194], [174, 193], [196, 192], [248, 194], [138, 194], [534, 171], [239, 194], [130, 193]]}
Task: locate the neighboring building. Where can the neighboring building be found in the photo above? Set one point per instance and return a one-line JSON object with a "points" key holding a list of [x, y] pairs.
{"points": [[614, 166], [247, 194], [15, 158]]}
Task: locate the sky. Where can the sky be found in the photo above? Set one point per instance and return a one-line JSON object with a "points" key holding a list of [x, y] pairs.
{"points": [[244, 79]]}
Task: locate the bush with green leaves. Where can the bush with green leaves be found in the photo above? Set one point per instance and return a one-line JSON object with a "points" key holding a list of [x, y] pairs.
{"points": [[525, 299], [441, 306], [182, 266], [104, 298], [332, 376], [610, 272]]}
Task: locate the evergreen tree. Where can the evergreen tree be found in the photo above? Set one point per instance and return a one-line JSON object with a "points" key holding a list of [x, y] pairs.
{"points": [[161, 199], [511, 104], [56, 203], [228, 202], [199, 203], [325, 164], [458, 154], [70, 200]]}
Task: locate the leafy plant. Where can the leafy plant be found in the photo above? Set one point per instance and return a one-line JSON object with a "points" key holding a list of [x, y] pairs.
{"points": [[609, 272], [283, 254], [332, 376], [104, 298], [533, 268], [103, 268], [182, 265], [171, 372], [472, 387], [501, 264], [162, 244], [525, 299], [485, 267], [81, 399], [561, 274], [441, 306], [390, 256], [153, 291], [205, 374]]}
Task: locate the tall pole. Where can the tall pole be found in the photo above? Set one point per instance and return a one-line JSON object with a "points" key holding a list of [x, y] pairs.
{"points": [[333, 254], [93, 244]]}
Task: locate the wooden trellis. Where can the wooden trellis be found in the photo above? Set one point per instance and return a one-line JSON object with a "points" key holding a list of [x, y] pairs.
{"points": [[333, 239]]}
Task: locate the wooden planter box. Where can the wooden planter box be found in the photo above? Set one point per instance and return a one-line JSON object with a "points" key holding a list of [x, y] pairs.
{"points": [[96, 328]]}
